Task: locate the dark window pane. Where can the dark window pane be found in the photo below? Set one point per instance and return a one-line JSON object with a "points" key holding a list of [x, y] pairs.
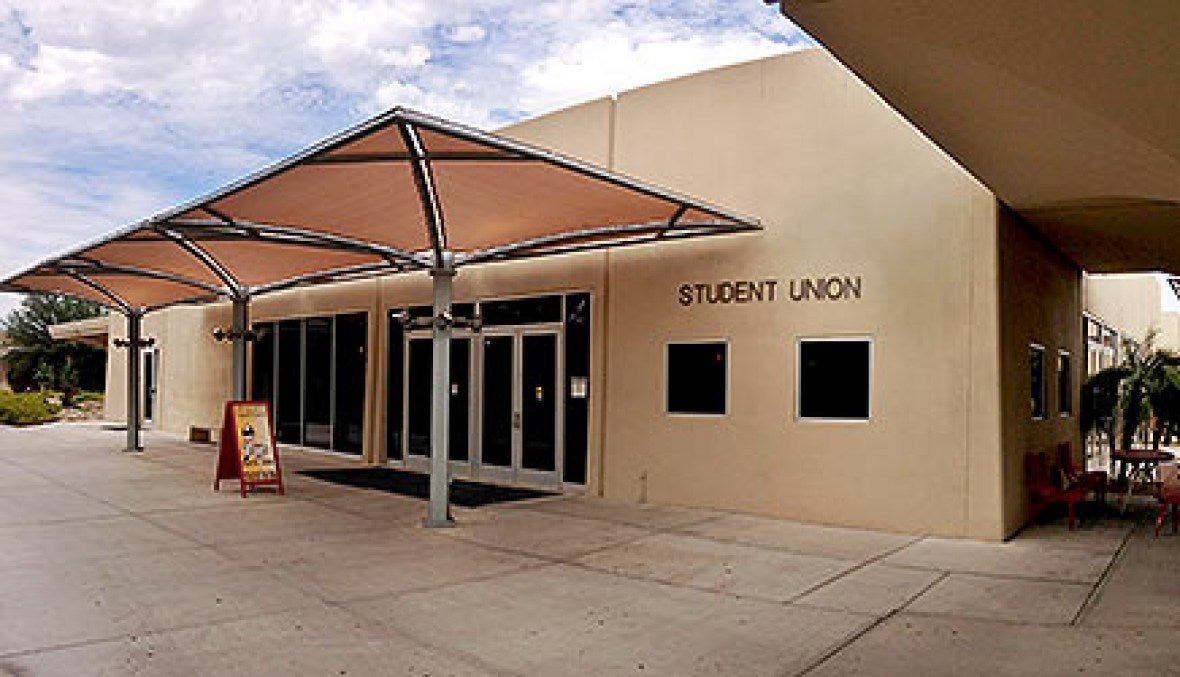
{"points": [[696, 378], [1036, 359], [539, 402], [532, 310], [317, 397], [352, 335], [497, 400], [289, 393], [460, 399], [1064, 384], [263, 367], [577, 386], [149, 385], [393, 390], [834, 379], [421, 379], [420, 374]]}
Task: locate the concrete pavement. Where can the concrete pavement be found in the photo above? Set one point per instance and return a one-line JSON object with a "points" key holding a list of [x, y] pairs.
{"points": [[116, 564]]}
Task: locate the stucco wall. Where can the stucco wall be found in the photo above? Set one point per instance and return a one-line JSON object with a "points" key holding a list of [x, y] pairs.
{"points": [[195, 370], [844, 187], [1132, 304], [1128, 303], [1040, 297]]}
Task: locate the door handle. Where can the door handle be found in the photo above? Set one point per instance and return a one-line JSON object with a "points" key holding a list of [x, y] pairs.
{"points": [[516, 420]]}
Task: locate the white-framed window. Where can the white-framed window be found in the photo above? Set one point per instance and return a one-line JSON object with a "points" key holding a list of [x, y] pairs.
{"points": [[1064, 383], [1036, 360], [833, 378], [696, 377]]}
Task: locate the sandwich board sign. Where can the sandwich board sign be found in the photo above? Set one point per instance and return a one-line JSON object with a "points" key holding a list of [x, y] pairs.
{"points": [[247, 451]]}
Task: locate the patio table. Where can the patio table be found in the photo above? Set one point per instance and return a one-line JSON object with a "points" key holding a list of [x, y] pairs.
{"points": [[1138, 465]]}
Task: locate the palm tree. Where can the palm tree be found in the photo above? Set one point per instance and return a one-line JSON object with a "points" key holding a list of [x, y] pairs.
{"points": [[1147, 389], [1100, 403]]}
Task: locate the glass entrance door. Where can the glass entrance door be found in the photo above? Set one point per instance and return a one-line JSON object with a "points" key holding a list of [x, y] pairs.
{"points": [[520, 407], [419, 361]]}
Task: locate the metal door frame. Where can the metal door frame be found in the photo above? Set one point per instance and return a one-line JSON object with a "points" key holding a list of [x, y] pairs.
{"points": [[516, 473]]}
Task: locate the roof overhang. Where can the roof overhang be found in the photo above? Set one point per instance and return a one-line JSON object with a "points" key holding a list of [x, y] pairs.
{"points": [[402, 192], [91, 331], [1068, 111]]}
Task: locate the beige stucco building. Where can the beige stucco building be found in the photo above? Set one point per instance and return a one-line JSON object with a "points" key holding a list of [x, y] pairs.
{"points": [[1126, 308], [882, 355]]}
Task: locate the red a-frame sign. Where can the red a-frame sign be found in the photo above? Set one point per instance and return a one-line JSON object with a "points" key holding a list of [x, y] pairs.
{"points": [[247, 451]]}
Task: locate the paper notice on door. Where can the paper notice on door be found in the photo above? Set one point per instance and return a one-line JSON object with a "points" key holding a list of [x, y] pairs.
{"points": [[579, 387]]}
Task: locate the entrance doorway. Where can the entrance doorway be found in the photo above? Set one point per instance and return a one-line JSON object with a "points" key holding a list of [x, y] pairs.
{"points": [[519, 390], [506, 404], [150, 373], [520, 406]]}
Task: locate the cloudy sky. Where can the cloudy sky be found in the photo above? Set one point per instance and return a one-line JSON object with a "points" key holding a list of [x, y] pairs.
{"points": [[112, 110]]}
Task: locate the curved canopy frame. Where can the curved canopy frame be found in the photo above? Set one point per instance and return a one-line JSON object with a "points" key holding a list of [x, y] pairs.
{"points": [[402, 192]]}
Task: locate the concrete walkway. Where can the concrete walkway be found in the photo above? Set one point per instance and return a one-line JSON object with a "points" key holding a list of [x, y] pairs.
{"points": [[115, 564]]}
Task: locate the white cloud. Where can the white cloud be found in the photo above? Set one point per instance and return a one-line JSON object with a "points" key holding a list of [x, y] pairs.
{"points": [[608, 61], [471, 33]]}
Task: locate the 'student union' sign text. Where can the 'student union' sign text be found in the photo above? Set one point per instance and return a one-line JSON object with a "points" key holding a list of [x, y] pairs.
{"points": [[769, 290]]}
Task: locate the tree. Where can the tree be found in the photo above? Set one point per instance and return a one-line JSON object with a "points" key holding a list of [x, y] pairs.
{"points": [[1100, 403], [1143, 390], [33, 349]]}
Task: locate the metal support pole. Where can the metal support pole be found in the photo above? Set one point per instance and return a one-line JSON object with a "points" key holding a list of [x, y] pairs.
{"points": [[439, 512], [241, 324], [133, 386]]}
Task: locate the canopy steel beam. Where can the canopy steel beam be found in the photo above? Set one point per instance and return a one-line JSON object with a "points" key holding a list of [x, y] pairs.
{"points": [[192, 300], [200, 230], [424, 179], [123, 306], [579, 247], [366, 158], [96, 267], [546, 242], [199, 253], [325, 275]]}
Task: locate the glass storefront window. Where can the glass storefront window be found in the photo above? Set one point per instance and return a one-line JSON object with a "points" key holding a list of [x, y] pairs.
{"points": [[314, 371]]}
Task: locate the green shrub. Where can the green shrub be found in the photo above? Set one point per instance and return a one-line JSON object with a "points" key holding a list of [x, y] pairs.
{"points": [[26, 409], [88, 396]]}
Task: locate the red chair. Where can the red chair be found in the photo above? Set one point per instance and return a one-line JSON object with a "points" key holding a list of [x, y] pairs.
{"points": [[1044, 493], [1090, 480], [1169, 495]]}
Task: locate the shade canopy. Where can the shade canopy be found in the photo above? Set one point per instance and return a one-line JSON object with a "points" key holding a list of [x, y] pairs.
{"points": [[391, 195], [1067, 110]]}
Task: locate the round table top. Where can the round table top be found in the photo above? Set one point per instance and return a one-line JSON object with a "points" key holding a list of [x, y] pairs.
{"points": [[1143, 455]]}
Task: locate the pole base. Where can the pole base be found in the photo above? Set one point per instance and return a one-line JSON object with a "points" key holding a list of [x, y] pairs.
{"points": [[137, 450], [431, 523]]}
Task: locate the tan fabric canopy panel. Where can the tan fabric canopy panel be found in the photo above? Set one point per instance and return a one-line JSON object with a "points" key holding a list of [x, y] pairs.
{"points": [[390, 195]]}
